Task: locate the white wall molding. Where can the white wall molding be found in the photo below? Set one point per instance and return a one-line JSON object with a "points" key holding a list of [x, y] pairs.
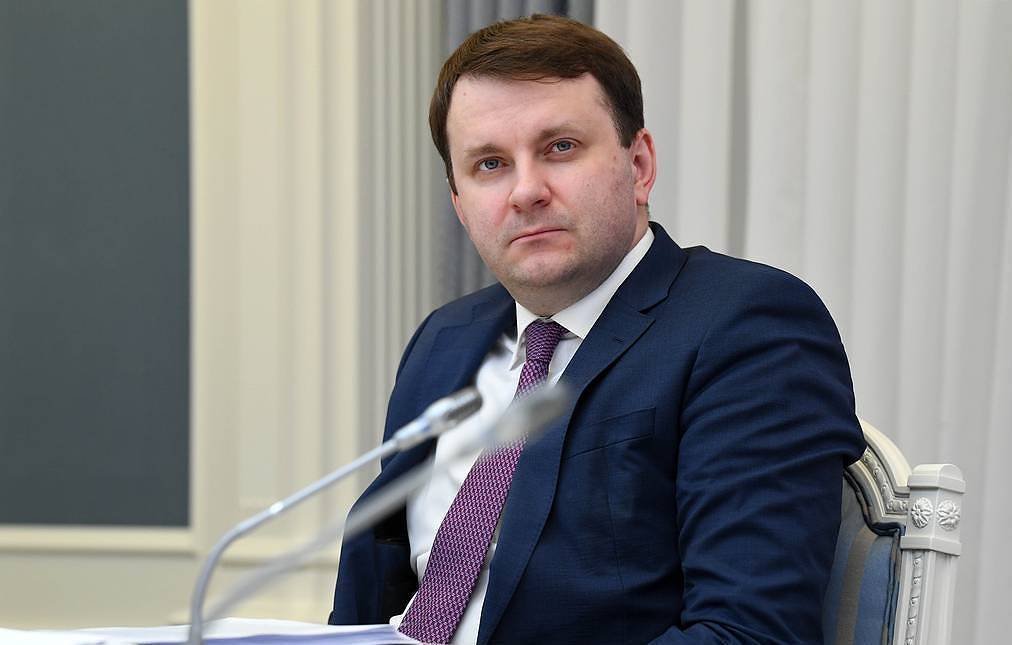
{"points": [[284, 357], [28, 539], [277, 195]]}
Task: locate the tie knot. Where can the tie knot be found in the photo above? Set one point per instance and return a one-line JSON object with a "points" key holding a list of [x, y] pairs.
{"points": [[542, 337]]}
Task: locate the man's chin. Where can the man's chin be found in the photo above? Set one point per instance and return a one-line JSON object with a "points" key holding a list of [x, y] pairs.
{"points": [[543, 271], [542, 276]]}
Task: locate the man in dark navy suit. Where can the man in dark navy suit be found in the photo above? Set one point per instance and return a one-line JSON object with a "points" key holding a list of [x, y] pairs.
{"points": [[691, 492]]}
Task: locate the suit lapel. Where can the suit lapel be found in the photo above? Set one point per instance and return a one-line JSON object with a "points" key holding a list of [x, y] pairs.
{"points": [[453, 360], [459, 350], [531, 494]]}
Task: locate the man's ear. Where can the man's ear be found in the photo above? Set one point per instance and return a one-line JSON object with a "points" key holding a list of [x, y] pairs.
{"points": [[455, 199], [644, 162]]}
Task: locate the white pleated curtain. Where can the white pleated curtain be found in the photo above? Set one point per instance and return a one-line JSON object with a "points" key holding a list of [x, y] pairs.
{"points": [[864, 146]]}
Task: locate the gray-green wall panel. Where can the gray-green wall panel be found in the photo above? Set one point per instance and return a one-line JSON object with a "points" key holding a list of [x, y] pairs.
{"points": [[94, 262]]}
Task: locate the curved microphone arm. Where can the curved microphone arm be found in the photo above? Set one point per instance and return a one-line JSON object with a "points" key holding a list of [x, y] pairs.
{"points": [[525, 418], [437, 418]]}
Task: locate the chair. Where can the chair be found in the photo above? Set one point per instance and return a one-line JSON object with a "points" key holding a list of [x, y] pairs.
{"points": [[894, 575]]}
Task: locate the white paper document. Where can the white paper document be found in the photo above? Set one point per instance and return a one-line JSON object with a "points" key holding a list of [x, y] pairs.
{"points": [[228, 631]]}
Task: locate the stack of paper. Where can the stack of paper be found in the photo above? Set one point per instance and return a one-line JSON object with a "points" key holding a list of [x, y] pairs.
{"points": [[228, 631]]}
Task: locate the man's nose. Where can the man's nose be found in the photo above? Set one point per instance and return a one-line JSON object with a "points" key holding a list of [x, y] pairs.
{"points": [[531, 190]]}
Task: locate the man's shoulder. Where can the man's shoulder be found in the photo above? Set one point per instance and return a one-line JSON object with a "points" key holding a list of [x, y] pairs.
{"points": [[713, 263], [730, 275], [492, 302], [716, 291], [709, 278], [727, 302], [466, 307]]}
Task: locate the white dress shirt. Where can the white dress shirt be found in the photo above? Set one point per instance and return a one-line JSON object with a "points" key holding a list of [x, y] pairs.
{"points": [[497, 382]]}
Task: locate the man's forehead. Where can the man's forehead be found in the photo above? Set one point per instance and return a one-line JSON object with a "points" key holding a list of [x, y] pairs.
{"points": [[480, 104], [471, 84]]}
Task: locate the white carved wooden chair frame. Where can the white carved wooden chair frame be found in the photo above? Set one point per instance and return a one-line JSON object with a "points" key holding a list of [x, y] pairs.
{"points": [[927, 501]]}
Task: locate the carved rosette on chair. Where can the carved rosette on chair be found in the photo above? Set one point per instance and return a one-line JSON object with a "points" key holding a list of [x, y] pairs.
{"points": [[930, 546], [927, 503]]}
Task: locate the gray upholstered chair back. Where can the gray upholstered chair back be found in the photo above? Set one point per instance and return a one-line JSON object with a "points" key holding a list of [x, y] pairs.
{"points": [[894, 574]]}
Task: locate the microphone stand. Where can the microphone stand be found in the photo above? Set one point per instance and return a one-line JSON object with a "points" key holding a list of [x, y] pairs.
{"points": [[437, 418], [523, 418]]}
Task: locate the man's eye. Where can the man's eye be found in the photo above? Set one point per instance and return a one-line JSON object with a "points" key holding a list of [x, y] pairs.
{"points": [[488, 164], [562, 146]]}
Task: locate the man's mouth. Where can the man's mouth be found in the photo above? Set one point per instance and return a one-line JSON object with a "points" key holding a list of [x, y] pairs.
{"points": [[535, 234]]}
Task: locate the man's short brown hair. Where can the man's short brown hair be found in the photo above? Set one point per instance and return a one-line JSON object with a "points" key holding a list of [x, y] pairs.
{"points": [[534, 48]]}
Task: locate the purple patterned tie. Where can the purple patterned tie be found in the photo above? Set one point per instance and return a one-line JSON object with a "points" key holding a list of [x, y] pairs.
{"points": [[462, 540]]}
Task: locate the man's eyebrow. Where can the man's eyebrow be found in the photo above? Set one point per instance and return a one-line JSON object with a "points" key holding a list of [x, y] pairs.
{"points": [[556, 130], [547, 133], [481, 151]]}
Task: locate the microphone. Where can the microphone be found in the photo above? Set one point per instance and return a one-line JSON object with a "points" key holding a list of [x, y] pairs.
{"points": [[439, 417], [523, 419], [528, 416]]}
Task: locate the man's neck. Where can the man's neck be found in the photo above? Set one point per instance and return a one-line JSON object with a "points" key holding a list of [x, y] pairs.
{"points": [[579, 316], [548, 301]]}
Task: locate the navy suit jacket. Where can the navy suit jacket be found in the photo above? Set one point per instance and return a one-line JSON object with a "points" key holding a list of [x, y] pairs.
{"points": [[690, 494]]}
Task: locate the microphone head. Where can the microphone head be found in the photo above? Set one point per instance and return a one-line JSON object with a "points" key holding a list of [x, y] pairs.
{"points": [[530, 415], [451, 410]]}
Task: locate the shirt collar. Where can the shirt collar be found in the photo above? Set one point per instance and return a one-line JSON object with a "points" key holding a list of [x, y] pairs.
{"points": [[579, 317]]}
